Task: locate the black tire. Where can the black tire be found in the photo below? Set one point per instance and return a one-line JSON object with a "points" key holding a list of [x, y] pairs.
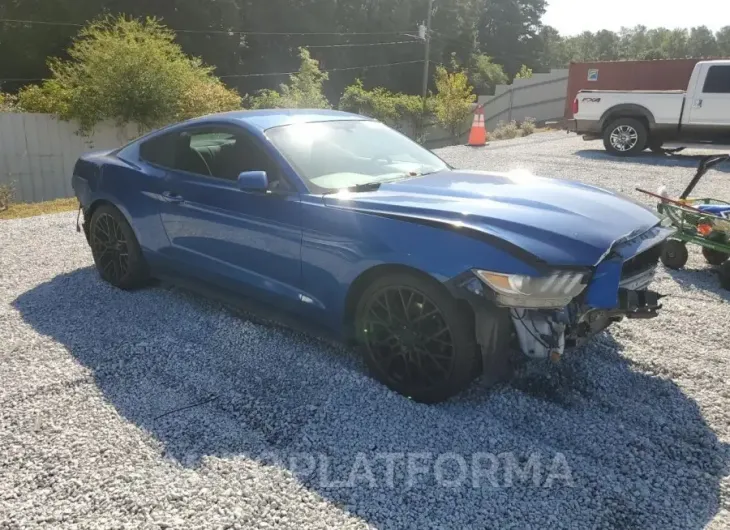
{"points": [[393, 338], [116, 252], [714, 257], [674, 254], [633, 131], [725, 275]]}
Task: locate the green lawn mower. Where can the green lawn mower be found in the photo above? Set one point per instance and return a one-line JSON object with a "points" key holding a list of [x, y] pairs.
{"points": [[702, 221]]}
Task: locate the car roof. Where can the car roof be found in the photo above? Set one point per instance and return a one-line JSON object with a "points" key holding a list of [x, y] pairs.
{"points": [[268, 118]]}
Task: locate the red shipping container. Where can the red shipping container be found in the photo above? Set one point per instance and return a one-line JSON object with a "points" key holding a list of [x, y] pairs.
{"points": [[668, 74]]}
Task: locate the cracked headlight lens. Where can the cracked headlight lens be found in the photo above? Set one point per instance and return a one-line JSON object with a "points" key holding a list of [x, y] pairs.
{"points": [[552, 291]]}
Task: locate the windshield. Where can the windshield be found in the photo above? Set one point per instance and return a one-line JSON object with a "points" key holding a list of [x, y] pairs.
{"points": [[335, 155]]}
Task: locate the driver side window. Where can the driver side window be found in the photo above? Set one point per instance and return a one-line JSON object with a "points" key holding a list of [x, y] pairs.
{"points": [[212, 152]]}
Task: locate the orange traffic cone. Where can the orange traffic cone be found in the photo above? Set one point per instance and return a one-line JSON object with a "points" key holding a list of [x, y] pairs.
{"points": [[478, 133]]}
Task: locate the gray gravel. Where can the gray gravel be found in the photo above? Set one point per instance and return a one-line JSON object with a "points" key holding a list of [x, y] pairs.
{"points": [[630, 432]]}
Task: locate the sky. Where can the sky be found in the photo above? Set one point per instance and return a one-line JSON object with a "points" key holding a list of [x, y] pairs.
{"points": [[571, 17]]}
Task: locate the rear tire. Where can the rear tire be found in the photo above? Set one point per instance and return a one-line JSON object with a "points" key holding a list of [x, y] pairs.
{"points": [[416, 338], [117, 254], [714, 257], [625, 137], [674, 254]]}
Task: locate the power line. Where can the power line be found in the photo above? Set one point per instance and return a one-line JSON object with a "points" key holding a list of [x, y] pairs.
{"points": [[223, 32], [356, 45], [363, 67], [327, 70]]}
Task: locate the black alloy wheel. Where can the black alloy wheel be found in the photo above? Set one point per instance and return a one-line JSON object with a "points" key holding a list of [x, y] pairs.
{"points": [[110, 247], [416, 339], [116, 252], [408, 338]]}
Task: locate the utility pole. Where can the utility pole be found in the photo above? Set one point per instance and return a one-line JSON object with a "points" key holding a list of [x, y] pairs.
{"points": [[427, 37]]}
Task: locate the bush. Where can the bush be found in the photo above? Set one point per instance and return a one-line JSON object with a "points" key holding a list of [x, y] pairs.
{"points": [[453, 100], [527, 126], [416, 115], [506, 131], [128, 71], [402, 111], [378, 103], [8, 102], [304, 90], [207, 95], [485, 75], [265, 99], [48, 98], [524, 73], [7, 192]]}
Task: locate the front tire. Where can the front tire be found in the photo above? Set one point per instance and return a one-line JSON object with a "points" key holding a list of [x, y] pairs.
{"points": [[416, 338], [116, 252], [625, 137]]}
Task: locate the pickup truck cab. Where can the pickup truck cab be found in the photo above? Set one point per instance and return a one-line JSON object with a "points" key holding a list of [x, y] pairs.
{"points": [[633, 120]]}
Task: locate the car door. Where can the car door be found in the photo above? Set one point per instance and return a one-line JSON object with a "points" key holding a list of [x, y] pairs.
{"points": [[249, 240], [709, 108]]}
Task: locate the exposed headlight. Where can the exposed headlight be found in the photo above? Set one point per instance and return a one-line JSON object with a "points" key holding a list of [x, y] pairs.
{"points": [[516, 290]]}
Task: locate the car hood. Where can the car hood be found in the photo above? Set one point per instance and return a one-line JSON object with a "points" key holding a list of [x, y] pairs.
{"points": [[559, 222]]}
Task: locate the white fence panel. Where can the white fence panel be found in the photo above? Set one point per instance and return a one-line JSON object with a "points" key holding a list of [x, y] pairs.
{"points": [[541, 97], [38, 153]]}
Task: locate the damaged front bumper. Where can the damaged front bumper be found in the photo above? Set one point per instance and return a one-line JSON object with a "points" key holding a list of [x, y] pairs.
{"points": [[616, 288], [542, 334]]}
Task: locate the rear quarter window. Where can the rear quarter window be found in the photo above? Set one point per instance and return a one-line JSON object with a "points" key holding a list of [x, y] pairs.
{"points": [[159, 150]]}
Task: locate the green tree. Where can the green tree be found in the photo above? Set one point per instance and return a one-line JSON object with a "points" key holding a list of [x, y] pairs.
{"points": [[128, 71], [378, 103], [524, 73], [551, 49], [508, 31], [453, 100], [305, 87], [607, 44], [723, 41], [403, 111], [304, 90], [702, 43], [485, 74]]}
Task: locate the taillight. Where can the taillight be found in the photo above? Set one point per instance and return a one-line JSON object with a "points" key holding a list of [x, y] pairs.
{"points": [[575, 106]]}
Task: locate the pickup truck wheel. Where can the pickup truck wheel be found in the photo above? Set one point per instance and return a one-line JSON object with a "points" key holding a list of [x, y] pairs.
{"points": [[625, 137], [674, 254], [415, 337]]}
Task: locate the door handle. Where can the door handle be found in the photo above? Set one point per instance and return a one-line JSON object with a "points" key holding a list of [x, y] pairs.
{"points": [[172, 197], [698, 104]]}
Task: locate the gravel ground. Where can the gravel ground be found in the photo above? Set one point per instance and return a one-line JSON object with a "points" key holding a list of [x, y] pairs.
{"points": [[631, 431]]}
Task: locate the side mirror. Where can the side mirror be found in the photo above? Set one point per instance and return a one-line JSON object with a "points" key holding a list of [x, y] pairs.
{"points": [[253, 181]]}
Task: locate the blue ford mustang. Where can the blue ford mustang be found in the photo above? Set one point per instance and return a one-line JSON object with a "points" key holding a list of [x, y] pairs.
{"points": [[436, 273]]}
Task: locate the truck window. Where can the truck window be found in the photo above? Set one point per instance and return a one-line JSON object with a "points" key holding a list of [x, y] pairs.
{"points": [[718, 80]]}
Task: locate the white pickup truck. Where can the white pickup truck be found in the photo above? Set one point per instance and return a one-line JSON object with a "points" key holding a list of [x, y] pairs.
{"points": [[633, 120]]}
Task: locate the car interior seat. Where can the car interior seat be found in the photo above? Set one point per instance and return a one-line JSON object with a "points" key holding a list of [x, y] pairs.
{"points": [[187, 158]]}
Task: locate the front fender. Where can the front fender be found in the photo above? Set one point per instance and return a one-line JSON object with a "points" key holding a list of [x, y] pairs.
{"points": [[339, 245]]}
